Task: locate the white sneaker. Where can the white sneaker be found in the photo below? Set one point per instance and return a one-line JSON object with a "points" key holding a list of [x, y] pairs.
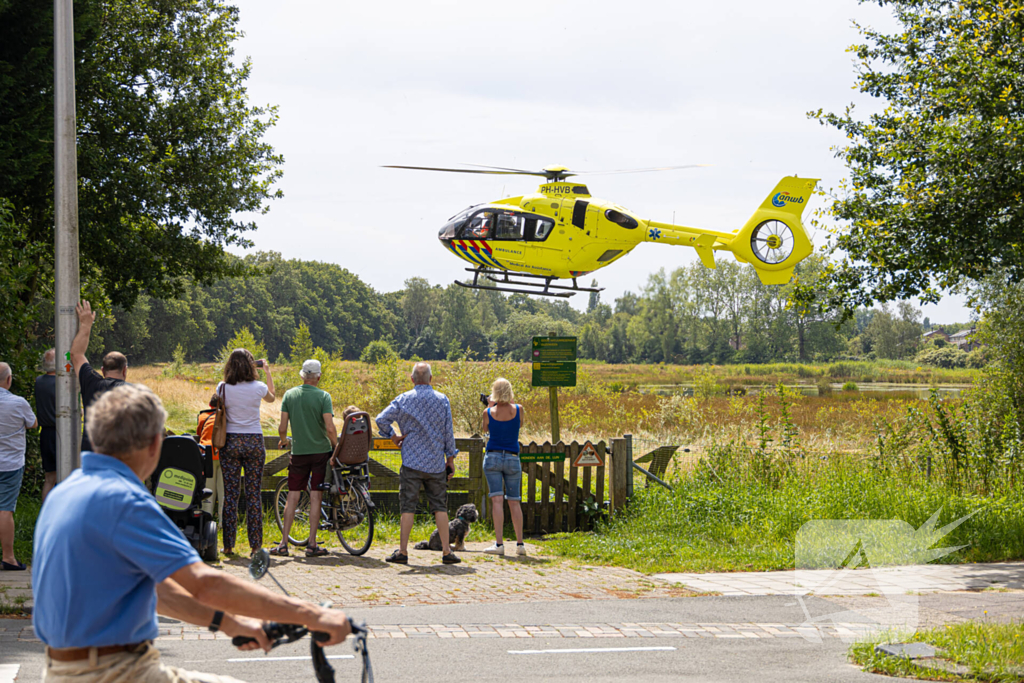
{"points": [[495, 549], [521, 550]]}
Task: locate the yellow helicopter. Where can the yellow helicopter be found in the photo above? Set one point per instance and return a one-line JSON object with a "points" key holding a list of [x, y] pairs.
{"points": [[562, 233]]}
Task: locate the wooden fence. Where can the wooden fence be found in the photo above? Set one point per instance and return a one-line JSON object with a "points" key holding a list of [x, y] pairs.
{"points": [[384, 480], [556, 496]]}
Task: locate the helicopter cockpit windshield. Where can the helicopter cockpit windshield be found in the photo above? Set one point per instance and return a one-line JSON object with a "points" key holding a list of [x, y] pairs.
{"points": [[451, 228]]}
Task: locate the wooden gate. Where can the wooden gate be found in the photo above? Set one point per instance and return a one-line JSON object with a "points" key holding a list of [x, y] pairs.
{"points": [[552, 502]]}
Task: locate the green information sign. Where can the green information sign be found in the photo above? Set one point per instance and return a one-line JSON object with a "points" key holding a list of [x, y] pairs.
{"points": [[549, 349], [542, 457], [557, 374]]}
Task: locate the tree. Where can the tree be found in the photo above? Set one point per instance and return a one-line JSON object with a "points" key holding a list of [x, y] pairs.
{"points": [[171, 157], [934, 195], [302, 345]]}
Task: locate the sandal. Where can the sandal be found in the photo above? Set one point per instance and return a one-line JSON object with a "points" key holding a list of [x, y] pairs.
{"points": [[317, 552], [397, 557], [278, 551]]}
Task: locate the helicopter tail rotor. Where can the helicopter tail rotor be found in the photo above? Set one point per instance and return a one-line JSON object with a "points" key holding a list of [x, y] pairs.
{"points": [[773, 240]]}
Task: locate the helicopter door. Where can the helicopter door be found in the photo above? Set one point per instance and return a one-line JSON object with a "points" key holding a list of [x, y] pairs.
{"points": [[585, 218]]}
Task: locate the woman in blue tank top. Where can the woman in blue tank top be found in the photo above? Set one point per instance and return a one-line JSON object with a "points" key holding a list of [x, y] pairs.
{"points": [[502, 469]]}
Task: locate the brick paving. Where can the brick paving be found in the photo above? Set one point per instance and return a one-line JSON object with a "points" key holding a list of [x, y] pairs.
{"points": [[368, 580], [562, 631]]}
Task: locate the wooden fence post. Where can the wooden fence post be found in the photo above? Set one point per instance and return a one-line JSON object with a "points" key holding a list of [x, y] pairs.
{"points": [[477, 487], [619, 473]]}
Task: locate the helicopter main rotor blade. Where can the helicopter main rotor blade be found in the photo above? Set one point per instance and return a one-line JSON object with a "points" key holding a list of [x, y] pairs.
{"points": [[502, 168], [643, 170], [467, 170]]}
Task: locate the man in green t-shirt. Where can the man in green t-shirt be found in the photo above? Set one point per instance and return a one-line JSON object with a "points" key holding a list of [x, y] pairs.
{"points": [[313, 440]]}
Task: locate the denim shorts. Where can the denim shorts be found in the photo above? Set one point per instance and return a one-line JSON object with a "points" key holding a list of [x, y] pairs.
{"points": [[504, 474], [10, 487]]}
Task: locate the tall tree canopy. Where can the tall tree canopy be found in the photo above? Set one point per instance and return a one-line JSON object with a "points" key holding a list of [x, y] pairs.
{"points": [[170, 151], [934, 197]]}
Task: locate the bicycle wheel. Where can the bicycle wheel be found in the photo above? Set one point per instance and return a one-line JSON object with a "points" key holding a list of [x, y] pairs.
{"points": [[354, 520], [299, 534]]}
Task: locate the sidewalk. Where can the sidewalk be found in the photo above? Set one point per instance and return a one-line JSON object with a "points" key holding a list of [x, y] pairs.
{"points": [[480, 578], [928, 578]]}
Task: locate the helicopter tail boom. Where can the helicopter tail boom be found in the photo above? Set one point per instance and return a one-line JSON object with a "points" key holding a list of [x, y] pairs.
{"points": [[772, 240]]}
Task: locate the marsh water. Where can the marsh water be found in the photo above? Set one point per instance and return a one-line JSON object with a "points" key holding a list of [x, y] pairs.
{"points": [[917, 390]]}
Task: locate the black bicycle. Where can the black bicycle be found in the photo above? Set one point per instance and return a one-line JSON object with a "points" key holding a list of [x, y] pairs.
{"points": [[282, 634], [346, 509]]}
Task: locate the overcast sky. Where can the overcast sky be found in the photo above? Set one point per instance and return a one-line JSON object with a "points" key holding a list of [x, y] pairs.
{"points": [[590, 85]]}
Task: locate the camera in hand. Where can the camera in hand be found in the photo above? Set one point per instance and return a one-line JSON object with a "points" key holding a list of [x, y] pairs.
{"points": [[484, 399], [259, 364]]}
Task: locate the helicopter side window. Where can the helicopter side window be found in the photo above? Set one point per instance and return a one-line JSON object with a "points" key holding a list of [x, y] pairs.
{"points": [[543, 229], [510, 227]]}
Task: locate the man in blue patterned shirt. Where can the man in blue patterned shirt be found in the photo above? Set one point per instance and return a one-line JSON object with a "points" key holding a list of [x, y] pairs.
{"points": [[428, 456]]}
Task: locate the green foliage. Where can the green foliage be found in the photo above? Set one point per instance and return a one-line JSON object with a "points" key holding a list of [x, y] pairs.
{"points": [[376, 351], [705, 386], [850, 386], [934, 191], [465, 380], [302, 345], [171, 155], [242, 339], [25, 290], [386, 383], [943, 357]]}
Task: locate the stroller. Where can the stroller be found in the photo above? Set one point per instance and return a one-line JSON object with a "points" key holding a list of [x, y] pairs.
{"points": [[179, 486]]}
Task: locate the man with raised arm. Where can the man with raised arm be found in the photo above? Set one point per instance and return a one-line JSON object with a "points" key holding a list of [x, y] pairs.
{"points": [[428, 456], [111, 560], [115, 368]]}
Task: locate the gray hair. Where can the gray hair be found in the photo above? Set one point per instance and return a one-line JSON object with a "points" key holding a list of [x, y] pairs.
{"points": [[5, 372], [421, 373], [49, 362], [125, 419]]}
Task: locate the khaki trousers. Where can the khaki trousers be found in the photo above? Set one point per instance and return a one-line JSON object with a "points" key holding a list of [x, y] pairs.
{"points": [[141, 666]]}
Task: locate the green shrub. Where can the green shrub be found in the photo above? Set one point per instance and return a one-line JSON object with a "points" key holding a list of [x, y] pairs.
{"points": [[942, 357], [850, 386], [841, 370], [824, 386], [377, 351], [978, 358], [243, 339]]}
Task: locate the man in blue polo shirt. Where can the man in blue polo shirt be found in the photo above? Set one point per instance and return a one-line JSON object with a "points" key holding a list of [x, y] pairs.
{"points": [[107, 560]]}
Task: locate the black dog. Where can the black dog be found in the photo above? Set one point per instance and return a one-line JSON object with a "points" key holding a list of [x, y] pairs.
{"points": [[457, 530]]}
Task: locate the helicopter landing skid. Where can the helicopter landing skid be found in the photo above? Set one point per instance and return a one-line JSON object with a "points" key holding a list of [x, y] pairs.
{"points": [[537, 288]]}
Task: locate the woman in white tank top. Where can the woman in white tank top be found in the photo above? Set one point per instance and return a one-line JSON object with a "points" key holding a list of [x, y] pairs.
{"points": [[242, 392]]}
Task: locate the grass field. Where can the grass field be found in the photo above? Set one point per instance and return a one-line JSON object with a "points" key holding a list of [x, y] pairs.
{"points": [[606, 403]]}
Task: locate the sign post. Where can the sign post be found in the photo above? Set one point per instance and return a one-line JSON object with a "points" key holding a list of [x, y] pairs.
{"points": [[66, 275], [554, 365]]}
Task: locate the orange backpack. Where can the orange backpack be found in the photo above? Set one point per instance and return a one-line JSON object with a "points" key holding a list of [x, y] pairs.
{"points": [[205, 430]]}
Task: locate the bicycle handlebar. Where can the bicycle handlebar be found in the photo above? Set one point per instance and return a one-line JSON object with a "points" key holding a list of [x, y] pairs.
{"points": [[281, 634]]}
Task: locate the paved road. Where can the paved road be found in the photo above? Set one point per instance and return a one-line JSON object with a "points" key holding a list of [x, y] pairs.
{"points": [[428, 656]]}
